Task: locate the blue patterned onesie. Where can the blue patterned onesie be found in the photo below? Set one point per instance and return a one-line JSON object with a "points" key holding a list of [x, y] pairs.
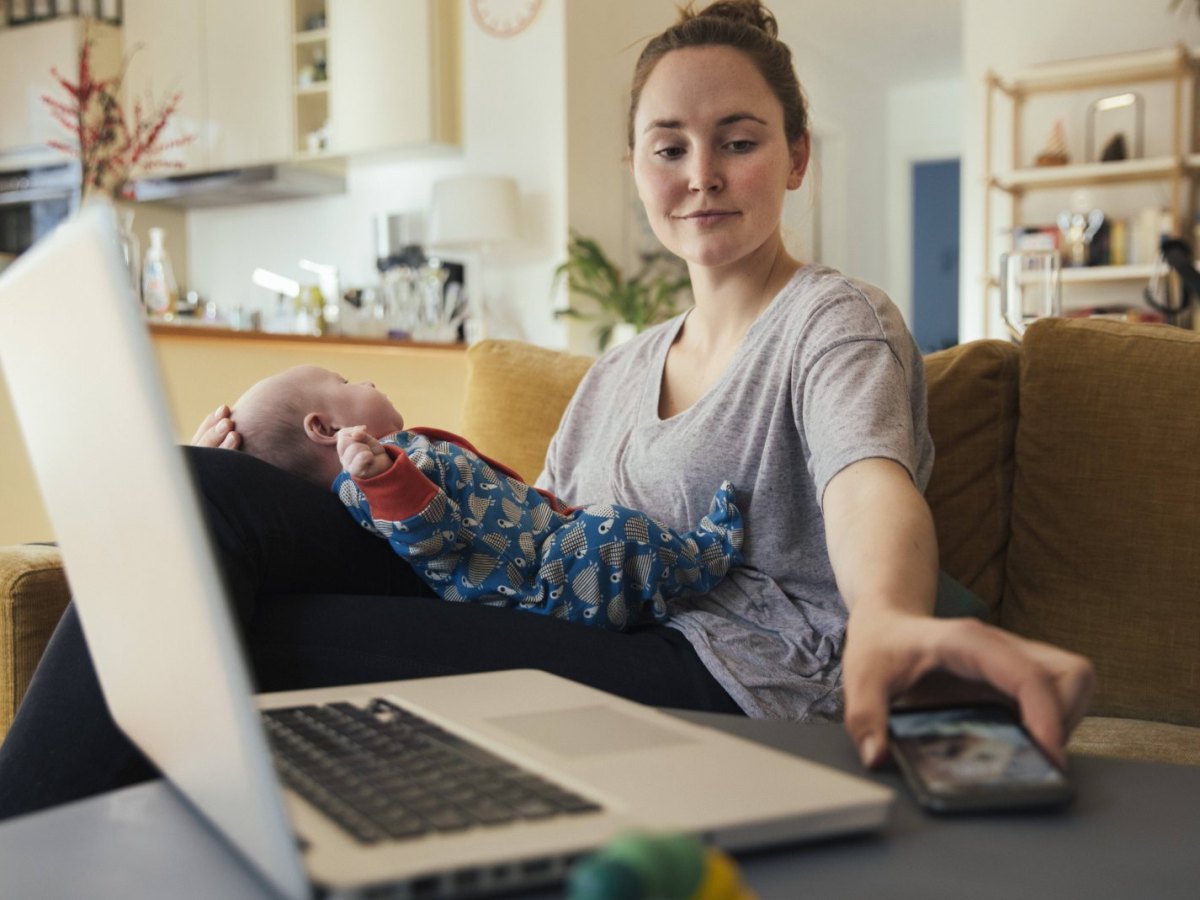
{"points": [[474, 531]]}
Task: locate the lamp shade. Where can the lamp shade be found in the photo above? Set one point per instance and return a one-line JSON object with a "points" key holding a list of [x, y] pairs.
{"points": [[473, 210]]}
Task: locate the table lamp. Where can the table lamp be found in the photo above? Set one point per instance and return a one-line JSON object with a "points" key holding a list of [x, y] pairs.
{"points": [[476, 213]]}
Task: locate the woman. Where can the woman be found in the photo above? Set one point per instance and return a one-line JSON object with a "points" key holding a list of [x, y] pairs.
{"points": [[799, 385]]}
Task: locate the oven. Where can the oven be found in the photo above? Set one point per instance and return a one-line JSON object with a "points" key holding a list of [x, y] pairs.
{"points": [[32, 202]]}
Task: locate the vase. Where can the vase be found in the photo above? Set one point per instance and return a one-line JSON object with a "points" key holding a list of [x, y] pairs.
{"points": [[131, 249]]}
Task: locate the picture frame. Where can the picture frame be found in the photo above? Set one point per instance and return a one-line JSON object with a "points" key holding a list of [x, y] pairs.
{"points": [[1117, 117]]}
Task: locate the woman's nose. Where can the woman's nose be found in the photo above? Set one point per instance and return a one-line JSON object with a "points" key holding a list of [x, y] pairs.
{"points": [[704, 177]]}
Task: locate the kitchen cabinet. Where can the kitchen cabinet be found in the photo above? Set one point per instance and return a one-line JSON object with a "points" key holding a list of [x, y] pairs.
{"points": [[390, 75], [229, 62], [1162, 182], [29, 52]]}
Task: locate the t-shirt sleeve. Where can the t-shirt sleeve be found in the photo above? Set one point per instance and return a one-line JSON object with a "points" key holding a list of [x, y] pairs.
{"points": [[854, 403]]}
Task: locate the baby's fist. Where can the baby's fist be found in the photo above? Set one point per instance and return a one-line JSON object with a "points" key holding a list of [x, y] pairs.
{"points": [[360, 454]]}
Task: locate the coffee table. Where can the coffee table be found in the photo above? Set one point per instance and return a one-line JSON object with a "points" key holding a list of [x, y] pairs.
{"points": [[1132, 831]]}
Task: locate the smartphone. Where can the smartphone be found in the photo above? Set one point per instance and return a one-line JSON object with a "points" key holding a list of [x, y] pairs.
{"points": [[973, 758]]}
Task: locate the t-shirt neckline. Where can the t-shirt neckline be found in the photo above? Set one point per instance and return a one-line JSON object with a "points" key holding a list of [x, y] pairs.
{"points": [[652, 395]]}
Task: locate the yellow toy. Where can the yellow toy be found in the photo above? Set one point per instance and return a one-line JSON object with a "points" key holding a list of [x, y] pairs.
{"points": [[642, 866]]}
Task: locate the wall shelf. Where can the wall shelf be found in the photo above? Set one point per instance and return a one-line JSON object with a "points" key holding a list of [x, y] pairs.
{"points": [[1173, 171], [1097, 71], [1088, 174]]}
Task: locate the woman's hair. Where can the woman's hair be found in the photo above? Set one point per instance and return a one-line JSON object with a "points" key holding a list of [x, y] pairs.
{"points": [[744, 25]]}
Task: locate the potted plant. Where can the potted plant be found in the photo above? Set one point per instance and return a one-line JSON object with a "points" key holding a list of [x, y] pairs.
{"points": [[643, 299]]}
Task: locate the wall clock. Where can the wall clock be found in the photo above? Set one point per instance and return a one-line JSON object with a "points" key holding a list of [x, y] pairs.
{"points": [[505, 18]]}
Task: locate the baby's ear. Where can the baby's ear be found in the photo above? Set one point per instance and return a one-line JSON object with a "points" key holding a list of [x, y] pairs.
{"points": [[318, 430]]}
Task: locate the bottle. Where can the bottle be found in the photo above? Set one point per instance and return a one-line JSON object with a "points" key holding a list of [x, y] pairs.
{"points": [[160, 292], [131, 248]]}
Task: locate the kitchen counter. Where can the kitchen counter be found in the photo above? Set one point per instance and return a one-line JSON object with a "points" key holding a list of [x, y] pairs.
{"points": [[203, 367], [199, 329]]}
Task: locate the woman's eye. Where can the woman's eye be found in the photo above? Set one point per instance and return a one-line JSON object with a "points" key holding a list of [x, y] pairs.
{"points": [[669, 152], [741, 146]]}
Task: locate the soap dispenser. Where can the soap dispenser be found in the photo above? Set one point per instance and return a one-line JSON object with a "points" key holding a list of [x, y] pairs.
{"points": [[160, 291]]}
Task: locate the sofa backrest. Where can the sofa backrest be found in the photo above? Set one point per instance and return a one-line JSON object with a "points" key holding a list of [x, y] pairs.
{"points": [[1106, 507], [515, 396], [973, 421]]}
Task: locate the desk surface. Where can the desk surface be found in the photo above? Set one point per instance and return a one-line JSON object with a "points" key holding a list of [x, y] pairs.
{"points": [[1132, 831]]}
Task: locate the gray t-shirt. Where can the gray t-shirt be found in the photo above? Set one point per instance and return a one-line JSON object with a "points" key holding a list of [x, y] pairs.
{"points": [[826, 376]]}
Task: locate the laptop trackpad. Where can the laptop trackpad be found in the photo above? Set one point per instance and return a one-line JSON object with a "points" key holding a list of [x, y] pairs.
{"points": [[588, 731]]}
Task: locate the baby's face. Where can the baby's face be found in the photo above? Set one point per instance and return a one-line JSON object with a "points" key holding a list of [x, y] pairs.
{"points": [[343, 403]]}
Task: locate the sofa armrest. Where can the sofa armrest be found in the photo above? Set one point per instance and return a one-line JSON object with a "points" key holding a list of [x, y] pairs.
{"points": [[33, 595]]}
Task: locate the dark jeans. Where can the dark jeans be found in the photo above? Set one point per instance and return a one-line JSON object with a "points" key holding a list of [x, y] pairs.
{"points": [[320, 602]]}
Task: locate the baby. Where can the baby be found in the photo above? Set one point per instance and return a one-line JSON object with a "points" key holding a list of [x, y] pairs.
{"points": [[470, 527]]}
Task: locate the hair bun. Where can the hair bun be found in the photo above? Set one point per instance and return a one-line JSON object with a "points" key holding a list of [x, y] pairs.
{"points": [[747, 12]]}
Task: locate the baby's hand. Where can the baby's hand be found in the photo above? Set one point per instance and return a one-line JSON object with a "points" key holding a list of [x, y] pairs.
{"points": [[361, 455]]}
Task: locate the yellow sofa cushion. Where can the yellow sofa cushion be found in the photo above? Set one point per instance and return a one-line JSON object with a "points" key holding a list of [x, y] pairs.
{"points": [[33, 595], [1106, 507], [515, 397], [973, 419]]}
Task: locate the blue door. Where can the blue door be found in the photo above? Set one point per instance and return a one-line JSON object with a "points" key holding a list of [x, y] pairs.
{"points": [[935, 254]]}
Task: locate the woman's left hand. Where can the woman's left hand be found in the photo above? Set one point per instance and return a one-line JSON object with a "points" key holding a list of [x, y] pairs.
{"points": [[887, 652], [217, 430]]}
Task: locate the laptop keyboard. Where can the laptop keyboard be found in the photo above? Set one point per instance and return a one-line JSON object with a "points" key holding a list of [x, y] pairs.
{"points": [[384, 773]]}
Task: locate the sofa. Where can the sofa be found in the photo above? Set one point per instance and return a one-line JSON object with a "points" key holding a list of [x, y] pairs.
{"points": [[1064, 494]]}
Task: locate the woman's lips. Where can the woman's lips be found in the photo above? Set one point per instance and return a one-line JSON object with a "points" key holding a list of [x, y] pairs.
{"points": [[708, 216]]}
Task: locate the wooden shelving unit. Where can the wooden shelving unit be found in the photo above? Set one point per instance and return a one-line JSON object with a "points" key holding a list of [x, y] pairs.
{"points": [[310, 78], [1015, 178]]}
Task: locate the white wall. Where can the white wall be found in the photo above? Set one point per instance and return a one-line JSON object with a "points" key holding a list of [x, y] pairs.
{"points": [[548, 108], [1012, 36], [514, 123], [924, 122]]}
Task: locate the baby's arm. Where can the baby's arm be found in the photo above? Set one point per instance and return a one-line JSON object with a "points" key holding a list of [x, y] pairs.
{"points": [[360, 454]]}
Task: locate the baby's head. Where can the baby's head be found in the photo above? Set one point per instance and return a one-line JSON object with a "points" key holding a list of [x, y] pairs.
{"points": [[291, 420]]}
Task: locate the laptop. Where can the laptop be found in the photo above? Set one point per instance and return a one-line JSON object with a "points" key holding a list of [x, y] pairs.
{"points": [[83, 379]]}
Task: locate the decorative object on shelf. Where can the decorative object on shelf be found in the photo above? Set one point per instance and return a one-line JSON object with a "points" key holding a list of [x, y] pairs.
{"points": [[643, 299], [478, 213], [1055, 151], [1114, 116], [1115, 150], [1175, 282], [505, 18], [111, 147], [1079, 226], [1030, 288]]}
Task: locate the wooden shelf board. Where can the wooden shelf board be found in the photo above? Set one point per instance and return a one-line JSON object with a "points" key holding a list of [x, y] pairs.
{"points": [[1090, 173], [1096, 71], [1099, 274], [319, 89], [315, 36]]}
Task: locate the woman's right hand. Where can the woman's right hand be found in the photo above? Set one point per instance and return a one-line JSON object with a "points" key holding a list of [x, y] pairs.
{"points": [[217, 430]]}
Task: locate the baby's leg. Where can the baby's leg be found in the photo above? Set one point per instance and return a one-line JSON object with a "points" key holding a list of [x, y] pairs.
{"points": [[703, 556], [612, 566]]}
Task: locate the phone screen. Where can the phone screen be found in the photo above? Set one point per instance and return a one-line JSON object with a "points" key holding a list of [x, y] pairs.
{"points": [[973, 757]]}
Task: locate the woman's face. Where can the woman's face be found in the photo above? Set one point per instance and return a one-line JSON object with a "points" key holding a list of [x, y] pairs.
{"points": [[710, 158]]}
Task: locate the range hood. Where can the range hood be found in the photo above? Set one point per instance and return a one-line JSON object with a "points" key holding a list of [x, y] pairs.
{"points": [[253, 184]]}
